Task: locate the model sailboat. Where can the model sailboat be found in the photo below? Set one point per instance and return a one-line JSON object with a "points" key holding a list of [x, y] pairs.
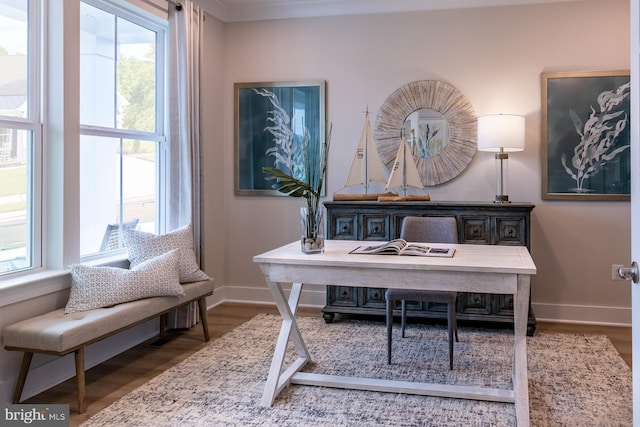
{"points": [[366, 166], [404, 174]]}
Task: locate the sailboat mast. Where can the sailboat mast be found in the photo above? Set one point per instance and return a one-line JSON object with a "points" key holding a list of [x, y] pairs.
{"points": [[366, 154], [404, 170]]}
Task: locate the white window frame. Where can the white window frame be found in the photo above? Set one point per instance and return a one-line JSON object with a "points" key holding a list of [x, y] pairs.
{"points": [[33, 123], [151, 22]]}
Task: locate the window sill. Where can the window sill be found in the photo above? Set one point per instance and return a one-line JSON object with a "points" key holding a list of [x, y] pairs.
{"points": [[43, 282], [33, 285]]}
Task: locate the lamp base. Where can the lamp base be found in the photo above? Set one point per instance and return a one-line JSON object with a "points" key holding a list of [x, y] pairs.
{"points": [[501, 198]]}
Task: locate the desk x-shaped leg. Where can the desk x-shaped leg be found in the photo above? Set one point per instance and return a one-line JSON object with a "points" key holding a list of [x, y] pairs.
{"points": [[276, 381]]}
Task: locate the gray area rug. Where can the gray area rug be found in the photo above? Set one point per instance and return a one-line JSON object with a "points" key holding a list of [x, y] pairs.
{"points": [[574, 380]]}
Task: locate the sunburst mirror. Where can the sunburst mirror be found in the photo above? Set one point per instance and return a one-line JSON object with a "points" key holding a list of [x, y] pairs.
{"points": [[440, 126]]}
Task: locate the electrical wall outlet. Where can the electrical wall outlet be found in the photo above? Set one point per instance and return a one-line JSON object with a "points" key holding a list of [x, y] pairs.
{"points": [[614, 272]]}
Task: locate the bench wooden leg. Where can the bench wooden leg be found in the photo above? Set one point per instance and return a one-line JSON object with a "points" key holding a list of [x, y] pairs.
{"points": [[163, 325], [22, 377], [79, 353], [202, 304]]}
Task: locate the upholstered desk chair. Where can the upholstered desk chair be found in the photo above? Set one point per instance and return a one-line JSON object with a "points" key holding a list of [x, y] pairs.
{"points": [[427, 230], [111, 238]]}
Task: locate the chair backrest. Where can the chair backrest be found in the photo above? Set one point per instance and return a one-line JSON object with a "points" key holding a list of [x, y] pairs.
{"points": [[430, 229], [111, 238]]}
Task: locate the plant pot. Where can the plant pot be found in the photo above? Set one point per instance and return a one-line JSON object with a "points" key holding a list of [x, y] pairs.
{"points": [[312, 223]]}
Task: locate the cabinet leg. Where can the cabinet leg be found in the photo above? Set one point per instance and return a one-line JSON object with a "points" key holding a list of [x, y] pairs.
{"points": [[328, 317]]}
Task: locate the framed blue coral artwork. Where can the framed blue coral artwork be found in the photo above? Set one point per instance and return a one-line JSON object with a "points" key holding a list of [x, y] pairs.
{"points": [[586, 136], [271, 120]]}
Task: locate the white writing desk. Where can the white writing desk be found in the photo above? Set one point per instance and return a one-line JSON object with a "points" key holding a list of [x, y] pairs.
{"points": [[474, 268]]}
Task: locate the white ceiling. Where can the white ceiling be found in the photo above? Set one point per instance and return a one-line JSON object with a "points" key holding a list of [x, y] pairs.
{"points": [[253, 10]]}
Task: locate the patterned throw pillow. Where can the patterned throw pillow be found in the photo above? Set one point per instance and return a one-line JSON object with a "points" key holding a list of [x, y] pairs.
{"points": [[143, 246], [95, 287]]}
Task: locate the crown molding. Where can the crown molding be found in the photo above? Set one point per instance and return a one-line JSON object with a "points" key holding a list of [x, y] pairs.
{"points": [[258, 10]]}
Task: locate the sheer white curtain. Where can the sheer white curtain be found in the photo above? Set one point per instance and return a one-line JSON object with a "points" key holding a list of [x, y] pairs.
{"points": [[185, 40], [185, 47]]}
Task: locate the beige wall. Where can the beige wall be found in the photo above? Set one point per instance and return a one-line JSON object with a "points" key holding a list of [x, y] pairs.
{"points": [[213, 256], [494, 56]]}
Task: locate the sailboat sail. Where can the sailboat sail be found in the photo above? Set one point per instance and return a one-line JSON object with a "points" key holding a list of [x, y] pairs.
{"points": [[366, 166], [404, 172]]}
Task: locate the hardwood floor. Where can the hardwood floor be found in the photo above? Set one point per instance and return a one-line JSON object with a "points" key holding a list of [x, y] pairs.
{"points": [[118, 376]]}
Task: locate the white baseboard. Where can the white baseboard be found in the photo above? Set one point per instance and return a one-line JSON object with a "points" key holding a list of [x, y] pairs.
{"points": [[595, 315], [312, 295]]}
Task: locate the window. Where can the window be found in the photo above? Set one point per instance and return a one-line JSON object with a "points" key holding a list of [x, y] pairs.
{"points": [[122, 160], [122, 127], [20, 135]]}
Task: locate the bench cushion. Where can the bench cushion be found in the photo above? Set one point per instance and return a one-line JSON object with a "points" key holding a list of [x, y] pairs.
{"points": [[59, 333]]}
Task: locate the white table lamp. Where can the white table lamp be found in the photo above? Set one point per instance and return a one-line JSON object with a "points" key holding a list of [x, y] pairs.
{"points": [[502, 134]]}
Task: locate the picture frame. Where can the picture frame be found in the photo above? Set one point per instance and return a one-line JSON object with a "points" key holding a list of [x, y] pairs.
{"points": [[269, 122], [586, 136]]}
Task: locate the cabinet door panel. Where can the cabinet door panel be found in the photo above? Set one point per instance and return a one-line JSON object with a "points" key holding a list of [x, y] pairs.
{"points": [[503, 305], [475, 229], [373, 297], [510, 231], [345, 227], [343, 296], [479, 304], [375, 227]]}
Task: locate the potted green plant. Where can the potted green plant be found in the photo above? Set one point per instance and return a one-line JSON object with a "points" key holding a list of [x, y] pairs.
{"points": [[310, 187]]}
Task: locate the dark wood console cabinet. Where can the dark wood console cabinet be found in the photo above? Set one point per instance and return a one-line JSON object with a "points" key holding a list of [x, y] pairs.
{"points": [[482, 223]]}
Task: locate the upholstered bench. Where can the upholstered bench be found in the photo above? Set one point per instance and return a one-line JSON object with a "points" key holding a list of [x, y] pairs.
{"points": [[162, 274], [57, 333]]}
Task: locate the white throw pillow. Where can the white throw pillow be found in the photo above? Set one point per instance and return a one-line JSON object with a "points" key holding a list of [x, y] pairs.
{"points": [[143, 246], [96, 287]]}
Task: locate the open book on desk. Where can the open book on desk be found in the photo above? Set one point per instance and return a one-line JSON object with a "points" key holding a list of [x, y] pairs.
{"points": [[402, 247]]}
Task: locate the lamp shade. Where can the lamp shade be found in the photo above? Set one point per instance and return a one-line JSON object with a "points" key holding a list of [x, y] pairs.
{"points": [[501, 131]]}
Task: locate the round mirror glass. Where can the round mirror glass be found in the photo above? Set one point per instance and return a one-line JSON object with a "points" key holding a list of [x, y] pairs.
{"points": [[427, 132]]}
